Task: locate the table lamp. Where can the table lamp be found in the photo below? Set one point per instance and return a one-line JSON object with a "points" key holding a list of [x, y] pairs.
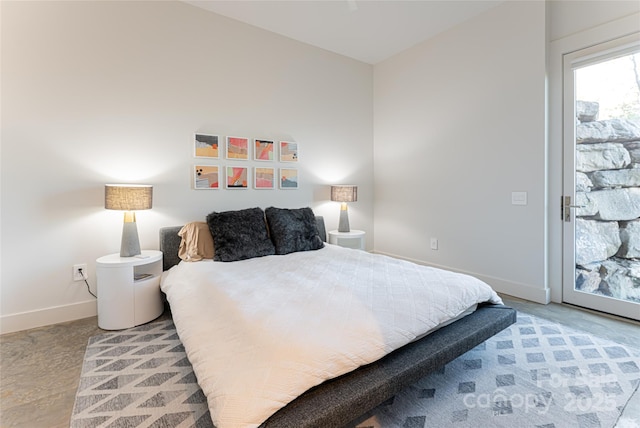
{"points": [[128, 198], [344, 193]]}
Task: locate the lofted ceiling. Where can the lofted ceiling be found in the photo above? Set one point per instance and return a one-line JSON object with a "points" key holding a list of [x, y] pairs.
{"points": [[366, 30]]}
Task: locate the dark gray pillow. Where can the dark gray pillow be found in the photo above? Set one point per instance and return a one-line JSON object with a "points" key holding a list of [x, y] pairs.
{"points": [[239, 235], [293, 230]]}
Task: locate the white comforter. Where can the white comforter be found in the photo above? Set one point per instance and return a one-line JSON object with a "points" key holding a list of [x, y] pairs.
{"points": [[261, 332]]}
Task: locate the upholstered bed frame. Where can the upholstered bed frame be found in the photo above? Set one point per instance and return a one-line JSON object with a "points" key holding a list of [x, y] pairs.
{"points": [[346, 399]]}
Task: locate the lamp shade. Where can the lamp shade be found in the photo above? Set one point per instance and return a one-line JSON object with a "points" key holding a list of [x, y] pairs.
{"points": [[128, 197], [344, 193]]}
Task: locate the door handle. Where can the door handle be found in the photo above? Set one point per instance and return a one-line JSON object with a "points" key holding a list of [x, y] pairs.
{"points": [[565, 205]]}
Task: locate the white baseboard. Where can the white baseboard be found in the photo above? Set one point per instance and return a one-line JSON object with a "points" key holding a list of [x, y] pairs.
{"points": [[515, 289], [57, 314]]}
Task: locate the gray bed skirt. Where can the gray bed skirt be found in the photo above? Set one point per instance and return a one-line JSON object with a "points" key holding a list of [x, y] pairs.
{"points": [[344, 400]]}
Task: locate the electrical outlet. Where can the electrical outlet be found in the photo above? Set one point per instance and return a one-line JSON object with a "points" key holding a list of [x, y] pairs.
{"points": [[434, 243], [80, 272]]}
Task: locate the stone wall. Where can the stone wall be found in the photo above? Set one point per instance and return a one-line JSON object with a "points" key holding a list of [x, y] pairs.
{"points": [[608, 188]]}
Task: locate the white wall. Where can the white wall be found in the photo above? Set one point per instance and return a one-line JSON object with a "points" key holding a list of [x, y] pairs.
{"points": [[459, 123], [101, 92]]}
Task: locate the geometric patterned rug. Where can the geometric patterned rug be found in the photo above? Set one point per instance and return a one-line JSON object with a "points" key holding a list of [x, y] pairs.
{"points": [[536, 373], [139, 377]]}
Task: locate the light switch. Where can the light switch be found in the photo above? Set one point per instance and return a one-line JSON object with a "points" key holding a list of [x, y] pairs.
{"points": [[434, 243], [518, 198]]}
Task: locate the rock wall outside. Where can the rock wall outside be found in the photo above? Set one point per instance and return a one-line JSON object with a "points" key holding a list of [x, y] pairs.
{"points": [[608, 188]]}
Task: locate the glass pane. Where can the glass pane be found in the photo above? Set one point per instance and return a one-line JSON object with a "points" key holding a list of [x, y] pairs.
{"points": [[608, 178]]}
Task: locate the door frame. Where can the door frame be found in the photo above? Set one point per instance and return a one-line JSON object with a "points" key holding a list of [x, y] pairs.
{"points": [[553, 146], [571, 61]]}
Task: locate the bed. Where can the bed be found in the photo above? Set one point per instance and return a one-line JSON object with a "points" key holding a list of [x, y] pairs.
{"points": [[360, 385]]}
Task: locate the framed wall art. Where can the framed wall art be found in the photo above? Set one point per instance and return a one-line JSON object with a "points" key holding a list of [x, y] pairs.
{"points": [[263, 150], [288, 178], [206, 146], [237, 148], [237, 177], [206, 177], [288, 151], [264, 178]]}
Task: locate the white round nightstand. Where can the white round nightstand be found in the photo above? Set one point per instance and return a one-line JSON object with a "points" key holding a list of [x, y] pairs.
{"points": [[129, 289], [353, 239]]}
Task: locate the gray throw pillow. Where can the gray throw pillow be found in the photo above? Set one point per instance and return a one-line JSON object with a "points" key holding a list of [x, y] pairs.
{"points": [[293, 230], [239, 235]]}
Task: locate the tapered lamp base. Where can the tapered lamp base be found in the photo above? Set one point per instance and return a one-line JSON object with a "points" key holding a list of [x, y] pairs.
{"points": [[130, 245], [343, 226]]}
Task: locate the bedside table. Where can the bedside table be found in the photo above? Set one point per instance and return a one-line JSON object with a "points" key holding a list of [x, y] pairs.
{"points": [[129, 289], [353, 239]]}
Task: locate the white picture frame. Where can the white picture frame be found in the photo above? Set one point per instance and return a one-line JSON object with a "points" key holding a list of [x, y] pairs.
{"points": [[264, 178], [206, 177], [264, 150], [206, 146], [237, 148], [289, 151], [236, 177], [288, 178]]}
